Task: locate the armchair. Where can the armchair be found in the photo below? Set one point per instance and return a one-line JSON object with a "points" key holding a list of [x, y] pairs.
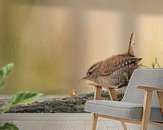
{"points": [[141, 104]]}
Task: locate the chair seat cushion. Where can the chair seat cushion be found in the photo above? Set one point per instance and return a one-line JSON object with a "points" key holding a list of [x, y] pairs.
{"points": [[131, 111]]}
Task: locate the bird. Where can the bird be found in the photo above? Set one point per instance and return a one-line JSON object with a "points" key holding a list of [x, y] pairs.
{"points": [[115, 71]]}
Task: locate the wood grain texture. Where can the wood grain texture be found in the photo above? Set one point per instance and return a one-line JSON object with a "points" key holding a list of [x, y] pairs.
{"points": [[146, 109], [97, 96], [150, 88], [160, 98], [94, 121], [124, 125]]}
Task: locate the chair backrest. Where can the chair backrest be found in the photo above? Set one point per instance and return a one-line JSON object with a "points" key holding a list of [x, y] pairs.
{"points": [[143, 77]]}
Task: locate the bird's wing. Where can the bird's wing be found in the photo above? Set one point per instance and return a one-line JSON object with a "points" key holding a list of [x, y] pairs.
{"points": [[116, 63], [93, 68]]}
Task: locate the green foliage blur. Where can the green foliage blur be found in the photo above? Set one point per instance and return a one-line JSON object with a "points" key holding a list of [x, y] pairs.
{"points": [[20, 98], [9, 126], [155, 64], [4, 72]]}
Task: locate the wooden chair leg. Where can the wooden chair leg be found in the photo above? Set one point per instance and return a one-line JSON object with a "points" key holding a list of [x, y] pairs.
{"points": [[146, 109], [160, 98], [124, 125], [94, 123], [97, 96]]}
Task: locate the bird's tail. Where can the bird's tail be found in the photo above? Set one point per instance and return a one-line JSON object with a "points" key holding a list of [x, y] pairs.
{"points": [[131, 44]]}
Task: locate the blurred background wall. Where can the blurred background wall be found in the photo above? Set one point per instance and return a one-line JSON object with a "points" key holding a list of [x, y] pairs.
{"points": [[53, 42]]}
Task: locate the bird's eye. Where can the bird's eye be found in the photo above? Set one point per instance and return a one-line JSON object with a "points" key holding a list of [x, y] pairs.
{"points": [[89, 73]]}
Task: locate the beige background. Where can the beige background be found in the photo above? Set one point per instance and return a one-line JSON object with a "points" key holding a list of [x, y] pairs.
{"points": [[53, 42]]}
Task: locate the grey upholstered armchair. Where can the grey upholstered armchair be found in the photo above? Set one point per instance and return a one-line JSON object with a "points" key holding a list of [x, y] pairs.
{"points": [[141, 104]]}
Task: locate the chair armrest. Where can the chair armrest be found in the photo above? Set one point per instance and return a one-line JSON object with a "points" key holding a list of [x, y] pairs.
{"points": [[146, 106], [147, 88], [148, 101]]}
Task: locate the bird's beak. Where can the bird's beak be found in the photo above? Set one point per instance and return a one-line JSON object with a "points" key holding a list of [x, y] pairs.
{"points": [[140, 59], [83, 79]]}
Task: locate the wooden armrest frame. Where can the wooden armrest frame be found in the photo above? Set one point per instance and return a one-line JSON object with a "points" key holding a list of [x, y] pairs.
{"points": [[148, 101], [146, 107], [150, 88], [159, 93], [160, 98]]}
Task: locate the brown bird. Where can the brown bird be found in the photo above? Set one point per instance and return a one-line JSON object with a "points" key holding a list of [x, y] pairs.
{"points": [[115, 71]]}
